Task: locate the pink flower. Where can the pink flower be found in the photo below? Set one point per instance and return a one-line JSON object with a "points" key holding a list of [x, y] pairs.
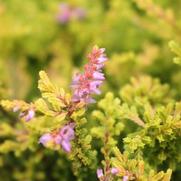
{"points": [[99, 173], [28, 115], [88, 83], [45, 139], [65, 13], [114, 171], [62, 137], [125, 178], [111, 171], [98, 76], [68, 12]]}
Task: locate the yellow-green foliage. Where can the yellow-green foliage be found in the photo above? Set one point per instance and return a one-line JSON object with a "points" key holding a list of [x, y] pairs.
{"points": [[109, 117], [136, 169], [161, 132], [175, 48], [144, 90], [135, 124]]}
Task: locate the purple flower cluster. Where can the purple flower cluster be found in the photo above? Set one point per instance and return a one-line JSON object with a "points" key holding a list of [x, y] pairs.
{"points": [[67, 13], [88, 83], [61, 137]]}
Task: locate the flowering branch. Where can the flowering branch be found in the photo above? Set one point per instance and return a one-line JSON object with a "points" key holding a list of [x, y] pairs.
{"points": [[83, 87]]}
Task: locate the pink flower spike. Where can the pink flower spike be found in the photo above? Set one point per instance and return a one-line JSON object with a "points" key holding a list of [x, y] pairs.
{"points": [[99, 173], [86, 84]]}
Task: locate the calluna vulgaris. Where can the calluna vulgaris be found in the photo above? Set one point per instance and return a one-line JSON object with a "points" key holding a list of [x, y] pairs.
{"points": [[60, 123]]}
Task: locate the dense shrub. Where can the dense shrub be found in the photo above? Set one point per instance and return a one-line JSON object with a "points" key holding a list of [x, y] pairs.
{"points": [[70, 110]]}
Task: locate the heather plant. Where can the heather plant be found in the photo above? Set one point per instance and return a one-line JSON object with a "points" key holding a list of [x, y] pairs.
{"points": [[70, 110]]}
